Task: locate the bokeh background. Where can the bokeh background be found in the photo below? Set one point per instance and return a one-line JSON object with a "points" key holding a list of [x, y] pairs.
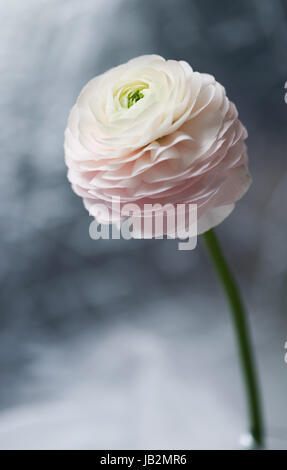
{"points": [[128, 344]]}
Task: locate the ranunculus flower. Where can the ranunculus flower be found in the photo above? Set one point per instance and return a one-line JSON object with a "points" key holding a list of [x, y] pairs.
{"points": [[154, 131]]}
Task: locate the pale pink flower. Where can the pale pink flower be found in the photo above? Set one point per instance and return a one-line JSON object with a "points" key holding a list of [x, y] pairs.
{"points": [[154, 131]]}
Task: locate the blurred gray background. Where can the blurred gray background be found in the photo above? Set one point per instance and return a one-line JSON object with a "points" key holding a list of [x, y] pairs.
{"points": [[128, 344]]}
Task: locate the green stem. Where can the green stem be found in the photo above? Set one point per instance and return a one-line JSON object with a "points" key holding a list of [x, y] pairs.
{"points": [[243, 338]]}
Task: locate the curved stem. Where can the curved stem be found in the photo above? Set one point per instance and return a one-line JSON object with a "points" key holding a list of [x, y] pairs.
{"points": [[243, 338]]}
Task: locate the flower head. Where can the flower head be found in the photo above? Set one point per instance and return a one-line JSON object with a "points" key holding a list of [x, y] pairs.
{"points": [[154, 131]]}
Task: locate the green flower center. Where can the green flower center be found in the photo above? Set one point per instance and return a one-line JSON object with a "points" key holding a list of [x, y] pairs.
{"points": [[134, 96], [130, 94]]}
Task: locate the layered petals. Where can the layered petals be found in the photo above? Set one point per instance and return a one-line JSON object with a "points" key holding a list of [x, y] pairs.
{"points": [[154, 131]]}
